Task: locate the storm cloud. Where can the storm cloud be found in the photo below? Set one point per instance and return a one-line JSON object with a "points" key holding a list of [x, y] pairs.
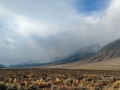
{"points": [[43, 30]]}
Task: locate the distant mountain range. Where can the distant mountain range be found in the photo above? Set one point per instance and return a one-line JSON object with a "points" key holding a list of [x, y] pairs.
{"points": [[81, 54], [29, 63], [2, 66], [107, 58], [91, 57]]}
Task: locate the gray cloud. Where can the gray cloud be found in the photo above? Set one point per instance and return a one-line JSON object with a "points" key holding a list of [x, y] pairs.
{"points": [[43, 30]]}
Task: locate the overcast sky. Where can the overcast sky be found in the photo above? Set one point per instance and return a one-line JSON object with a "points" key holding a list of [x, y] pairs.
{"points": [[42, 30]]}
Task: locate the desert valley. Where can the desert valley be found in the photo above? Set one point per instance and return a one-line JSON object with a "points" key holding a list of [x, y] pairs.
{"points": [[100, 71], [59, 44]]}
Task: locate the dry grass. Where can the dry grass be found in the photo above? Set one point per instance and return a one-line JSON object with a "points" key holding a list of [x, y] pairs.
{"points": [[59, 79]]}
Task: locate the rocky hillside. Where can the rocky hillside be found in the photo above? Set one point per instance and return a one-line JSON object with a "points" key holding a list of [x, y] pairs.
{"points": [[109, 51]]}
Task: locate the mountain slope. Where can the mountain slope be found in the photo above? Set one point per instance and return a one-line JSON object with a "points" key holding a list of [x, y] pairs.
{"points": [[109, 51], [81, 54], [108, 58]]}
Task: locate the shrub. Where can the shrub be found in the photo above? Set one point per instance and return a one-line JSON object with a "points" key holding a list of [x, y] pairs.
{"points": [[3, 87]]}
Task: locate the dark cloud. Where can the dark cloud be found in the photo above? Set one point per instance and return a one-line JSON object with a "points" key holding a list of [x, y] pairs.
{"points": [[42, 32]]}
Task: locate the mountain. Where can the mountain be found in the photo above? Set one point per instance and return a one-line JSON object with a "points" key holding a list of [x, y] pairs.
{"points": [[81, 54], [108, 58], [30, 63], [109, 51], [2, 66]]}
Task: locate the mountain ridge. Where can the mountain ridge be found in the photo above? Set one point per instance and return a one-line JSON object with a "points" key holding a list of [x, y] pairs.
{"points": [[109, 51], [108, 58], [80, 54]]}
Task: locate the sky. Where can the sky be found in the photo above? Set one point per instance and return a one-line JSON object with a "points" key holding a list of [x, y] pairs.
{"points": [[43, 30]]}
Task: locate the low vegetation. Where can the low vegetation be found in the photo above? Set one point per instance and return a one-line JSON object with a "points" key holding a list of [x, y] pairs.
{"points": [[59, 79]]}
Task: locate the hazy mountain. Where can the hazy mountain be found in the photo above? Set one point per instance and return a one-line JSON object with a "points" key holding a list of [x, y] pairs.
{"points": [[81, 54], [2, 66], [108, 58], [30, 63]]}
